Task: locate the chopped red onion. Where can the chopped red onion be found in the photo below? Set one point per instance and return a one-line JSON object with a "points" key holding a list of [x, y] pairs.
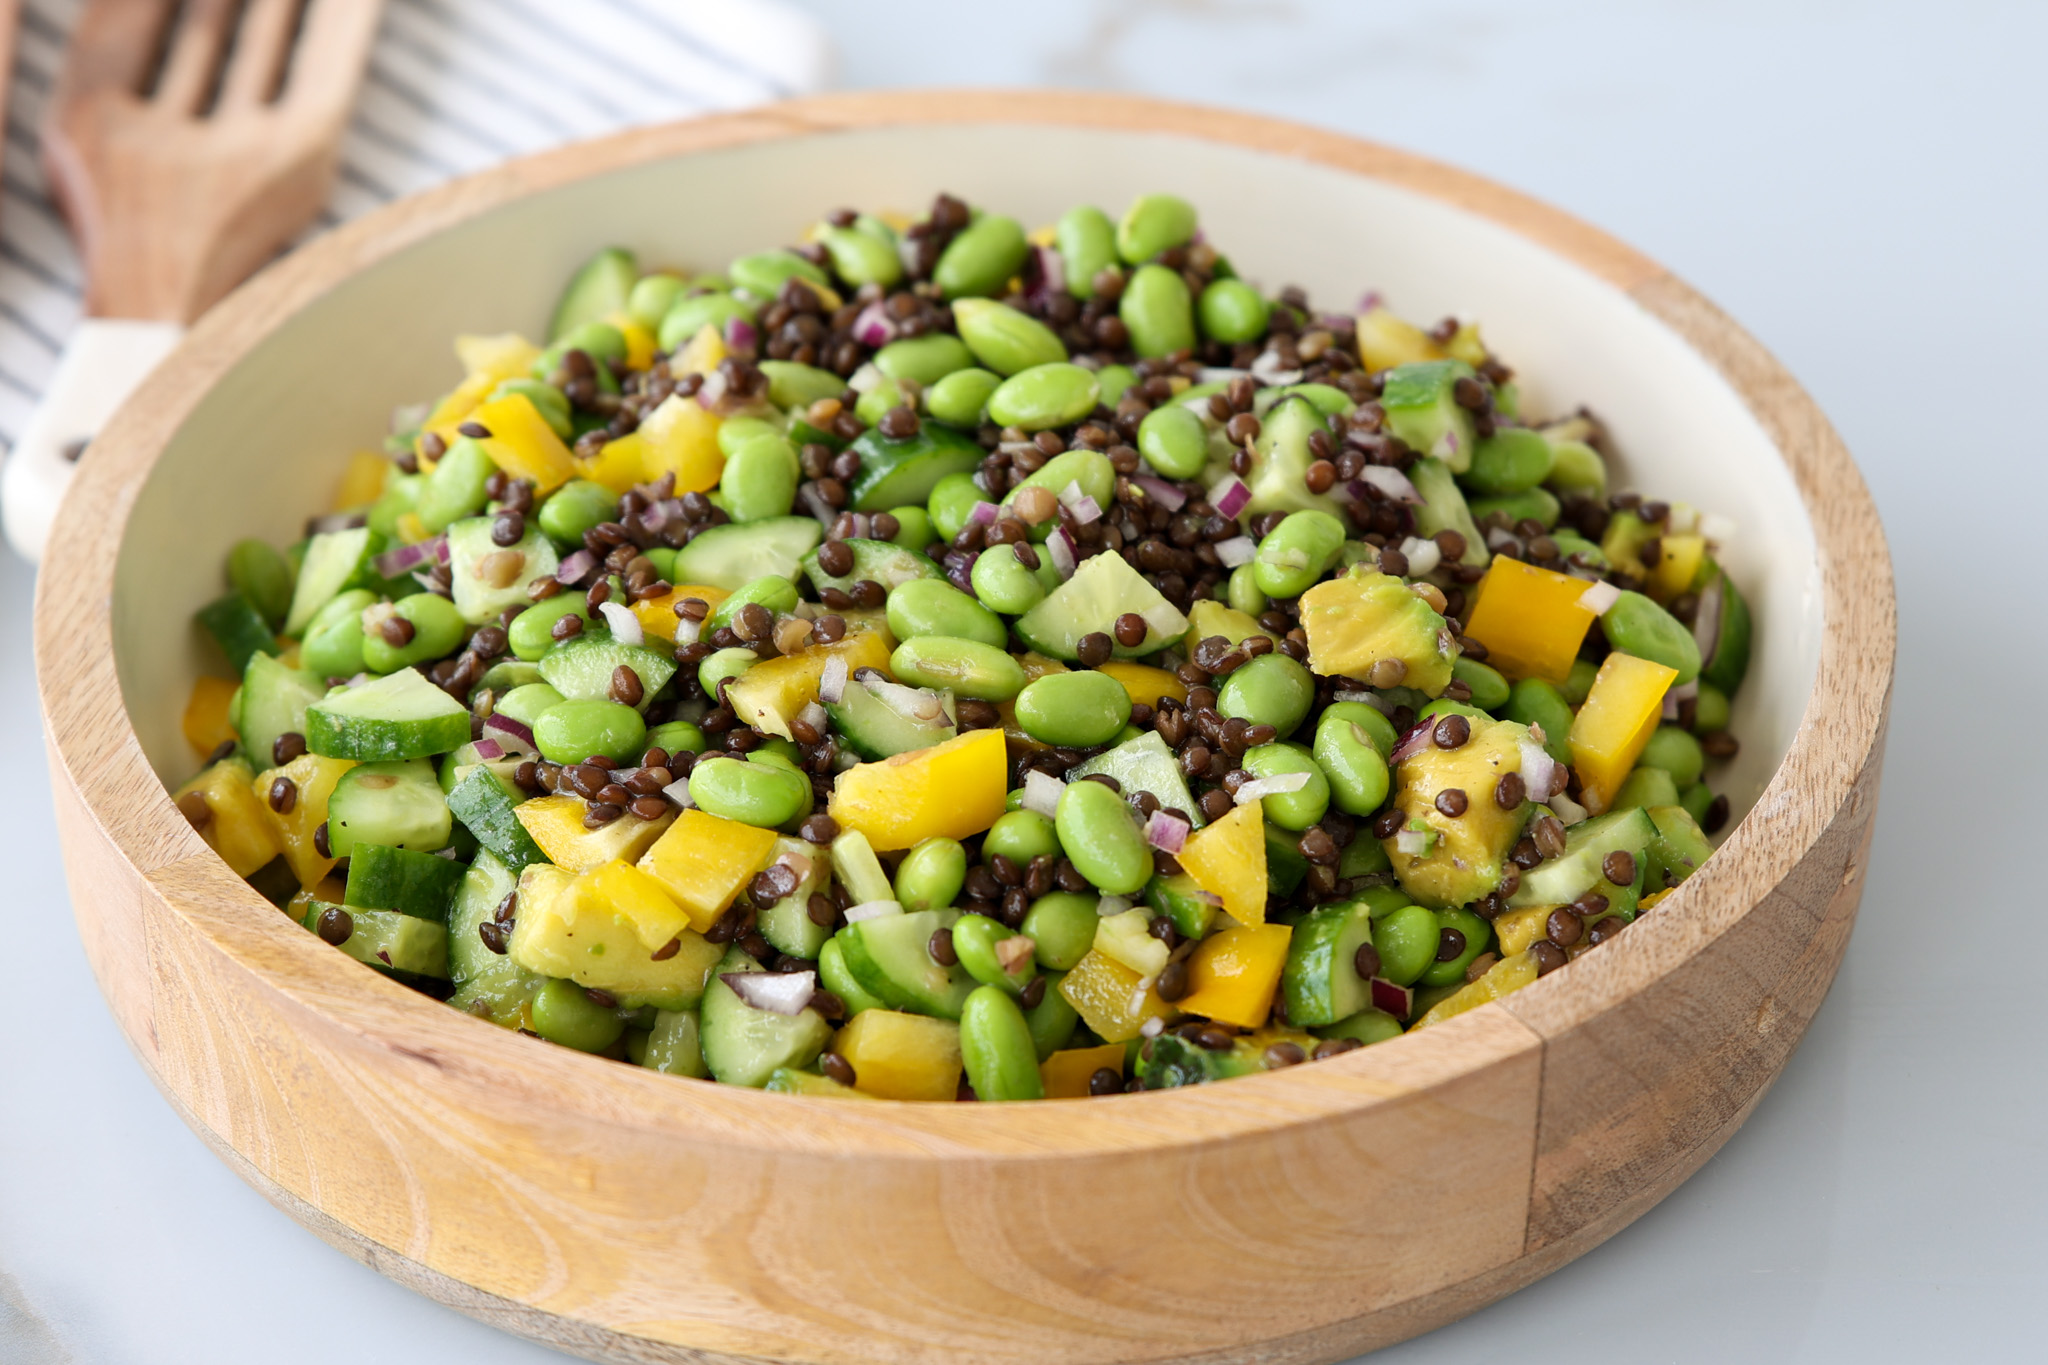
{"points": [[1013, 952], [832, 682], [984, 513], [1371, 301], [1372, 699], [814, 715], [1391, 482], [1161, 492], [1266, 369], [1279, 785], [441, 553], [814, 502], [1071, 495], [335, 521], [1542, 775], [1716, 529], [1598, 597], [873, 910], [741, 335], [625, 625], [1229, 496], [911, 703], [1045, 276], [1167, 832], [488, 750], [1414, 842], [1059, 547], [785, 993], [1217, 374], [1042, 793], [1706, 622], [500, 723], [1395, 1000], [873, 326], [678, 791], [864, 378], [1568, 810], [571, 570], [712, 392], [1500, 538], [1086, 510], [1673, 696], [1236, 551], [425, 578], [1423, 556], [402, 559], [1412, 743]]}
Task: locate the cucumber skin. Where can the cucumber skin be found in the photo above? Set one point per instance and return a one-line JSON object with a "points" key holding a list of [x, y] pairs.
{"points": [[414, 946], [238, 628], [346, 825], [1320, 984], [333, 733], [484, 809], [867, 951], [745, 1046], [417, 884]]}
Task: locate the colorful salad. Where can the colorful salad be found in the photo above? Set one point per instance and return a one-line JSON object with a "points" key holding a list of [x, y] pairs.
{"points": [[944, 661]]}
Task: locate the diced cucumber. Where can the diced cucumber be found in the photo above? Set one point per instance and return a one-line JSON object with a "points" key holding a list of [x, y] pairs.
{"points": [[1422, 409], [485, 809], [581, 668], [882, 561], [273, 702], [890, 957], [1281, 456], [396, 717], [1191, 909], [733, 555], [1677, 851], [1285, 867], [1102, 589], [1321, 983], [1443, 509], [901, 473], [787, 924], [504, 987], [390, 941], [879, 720], [238, 628], [485, 577], [457, 488], [418, 884], [398, 805], [675, 1045], [743, 1045], [599, 288], [858, 870], [454, 767], [1145, 764], [789, 1082], [335, 562], [507, 674], [1577, 870]]}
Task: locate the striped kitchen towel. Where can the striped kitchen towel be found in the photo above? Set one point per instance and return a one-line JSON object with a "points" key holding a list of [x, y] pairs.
{"points": [[453, 86]]}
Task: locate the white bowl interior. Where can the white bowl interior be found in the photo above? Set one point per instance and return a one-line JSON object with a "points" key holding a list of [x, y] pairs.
{"points": [[264, 450]]}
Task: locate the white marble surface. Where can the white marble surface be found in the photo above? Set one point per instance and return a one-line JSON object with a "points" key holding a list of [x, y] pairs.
{"points": [[1860, 184]]}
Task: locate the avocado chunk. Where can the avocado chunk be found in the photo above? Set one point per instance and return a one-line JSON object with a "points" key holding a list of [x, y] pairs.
{"points": [[1280, 461], [1170, 1061], [1462, 862], [1365, 617], [1422, 409], [1444, 509]]}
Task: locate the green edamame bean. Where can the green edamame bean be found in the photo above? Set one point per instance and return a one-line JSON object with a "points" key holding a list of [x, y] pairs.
{"points": [[1379, 731], [764, 794], [1020, 836], [1076, 710], [651, 298], [1270, 690], [458, 486], [861, 257], [775, 593], [572, 731], [1089, 468], [969, 667], [1644, 788], [959, 398], [333, 644], [997, 1049], [1044, 396], [1152, 224], [931, 874], [913, 528], [528, 702], [1381, 901], [924, 360], [574, 508], [1158, 312], [263, 576], [1099, 834], [1576, 467], [1538, 503], [677, 737], [437, 628], [1579, 683], [1697, 799], [1368, 1026], [783, 751], [1174, 441], [1478, 934], [873, 405], [1004, 339], [1709, 709], [1062, 926], [974, 940], [735, 432], [1295, 810], [692, 313], [760, 479], [953, 497], [834, 977], [1053, 1019], [932, 606], [1676, 752], [531, 630], [1295, 554], [1244, 592], [564, 1013], [1406, 939], [795, 386], [1087, 245], [1113, 381], [763, 273], [1534, 702], [723, 664], [1489, 689], [1512, 460], [983, 258], [1356, 769], [1232, 311], [1636, 625], [1003, 584]]}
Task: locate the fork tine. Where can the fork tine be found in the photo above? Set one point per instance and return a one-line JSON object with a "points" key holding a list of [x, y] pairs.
{"points": [[194, 59], [334, 47], [112, 47], [263, 45]]}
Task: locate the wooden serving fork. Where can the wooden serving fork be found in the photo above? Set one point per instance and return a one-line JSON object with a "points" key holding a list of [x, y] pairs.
{"points": [[187, 142]]}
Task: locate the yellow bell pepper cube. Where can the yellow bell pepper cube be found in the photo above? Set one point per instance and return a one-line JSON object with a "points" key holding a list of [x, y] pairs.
{"points": [[205, 721], [315, 778], [618, 465], [229, 817], [769, 694], [1678, 563], [1615, 724], [639, 899], [640, 342], [556, 824], [682, 439], [1111, 998], [704, 860], [1519, 929], [1145, 684], [411, 530], [499, 357], [1650, 901], [362, 481], [1506, 976], [1465, 345], [1232, 974], [902, 1056], [569, 928], [1531, 620], [952, 790], [1385, 341], [523, 444], [658, 614], [1228, 860], [1066, 1073], [700, 354]]}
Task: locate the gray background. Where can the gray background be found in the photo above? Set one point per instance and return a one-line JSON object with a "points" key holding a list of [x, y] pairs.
{"points": [[1860, 185]]}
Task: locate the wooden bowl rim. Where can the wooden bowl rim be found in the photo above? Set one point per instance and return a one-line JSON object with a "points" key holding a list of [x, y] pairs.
{"points": [[92, 739]]}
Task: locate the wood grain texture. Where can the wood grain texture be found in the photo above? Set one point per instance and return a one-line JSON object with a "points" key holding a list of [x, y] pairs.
{"points": [[1300, 1216], [180, 181]]}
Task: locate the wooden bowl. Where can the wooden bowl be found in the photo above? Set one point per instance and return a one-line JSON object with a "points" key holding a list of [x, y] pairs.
{"points": [[1304, 1215]]}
